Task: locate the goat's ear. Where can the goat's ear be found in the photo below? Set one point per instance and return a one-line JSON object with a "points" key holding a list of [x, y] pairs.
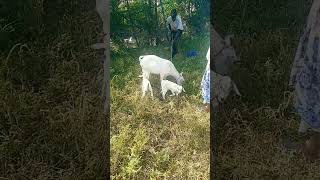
{"points": [[228, 39], [183, 89], [181, 73]]}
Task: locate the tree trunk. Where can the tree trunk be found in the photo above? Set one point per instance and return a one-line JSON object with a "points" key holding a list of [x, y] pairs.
{"points": [[156, 21], [131, 22], [151, 17], [189, 18], [102, 8], [164, 20]]}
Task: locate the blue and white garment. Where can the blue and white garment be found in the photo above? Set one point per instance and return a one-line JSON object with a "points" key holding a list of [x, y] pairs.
{"points": [[205, 83], [305, 74]]}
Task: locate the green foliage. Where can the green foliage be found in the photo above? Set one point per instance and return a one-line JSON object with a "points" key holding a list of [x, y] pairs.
{"points": [[140, 18], [252, 17], [126, 153]]}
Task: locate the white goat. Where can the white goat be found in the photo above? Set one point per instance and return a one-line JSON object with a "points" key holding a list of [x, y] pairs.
{"points": [[221, 88], [146, 86], [224, 55], [152, 64], [170, 86]]}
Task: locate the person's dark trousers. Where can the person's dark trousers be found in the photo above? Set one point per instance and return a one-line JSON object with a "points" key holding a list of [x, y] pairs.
{"points": [[176, 35]]}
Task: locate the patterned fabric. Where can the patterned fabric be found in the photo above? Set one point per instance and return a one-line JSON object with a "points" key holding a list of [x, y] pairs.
{"points": [[305, 74], [205, 83]]}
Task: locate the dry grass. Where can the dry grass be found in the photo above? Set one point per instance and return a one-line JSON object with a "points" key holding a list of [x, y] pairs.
{"points": [[250, 129], [154, 139], [51, 121]]}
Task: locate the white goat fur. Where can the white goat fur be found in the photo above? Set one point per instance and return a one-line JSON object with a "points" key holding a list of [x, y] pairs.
{"points": [[152, 64], [146, 86], [221, 88], [170, 86]]}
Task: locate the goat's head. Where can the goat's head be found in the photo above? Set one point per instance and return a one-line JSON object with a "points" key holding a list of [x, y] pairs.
{"points": [[225, 60], [229, 52], [226, 86], [225, 89], [180, 89], [180, 79]]}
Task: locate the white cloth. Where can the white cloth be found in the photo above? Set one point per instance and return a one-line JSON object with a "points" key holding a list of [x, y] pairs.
{"points": [[205, 83], [305, 73], [175, 25], [208, 58]]}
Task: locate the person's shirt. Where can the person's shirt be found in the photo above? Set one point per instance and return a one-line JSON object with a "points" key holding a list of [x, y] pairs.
{"points": [[175, 25]]}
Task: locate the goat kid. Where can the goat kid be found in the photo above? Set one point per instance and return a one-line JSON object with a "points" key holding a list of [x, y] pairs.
{"points": [[146, 85], [170, 86], [224, 54], [221, 88]]}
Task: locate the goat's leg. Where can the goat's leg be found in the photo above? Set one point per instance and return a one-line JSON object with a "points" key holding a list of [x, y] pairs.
{"points": [[164, 94], [172, 94], [145, 74], [151, 90], [143, 93], [161, 77], [175, 94], [148, 75], [143, 89]]}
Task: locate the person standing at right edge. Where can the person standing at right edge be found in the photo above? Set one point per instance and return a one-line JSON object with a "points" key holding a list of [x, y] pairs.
{"points": [[175, 27], [305, 80]]}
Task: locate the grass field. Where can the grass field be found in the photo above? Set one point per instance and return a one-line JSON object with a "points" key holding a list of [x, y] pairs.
{"points": [[250, 129], [51, 121], [154, 139]]}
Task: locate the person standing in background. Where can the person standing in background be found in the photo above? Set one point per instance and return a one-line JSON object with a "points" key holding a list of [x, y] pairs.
{"points": [[175, 28]]}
